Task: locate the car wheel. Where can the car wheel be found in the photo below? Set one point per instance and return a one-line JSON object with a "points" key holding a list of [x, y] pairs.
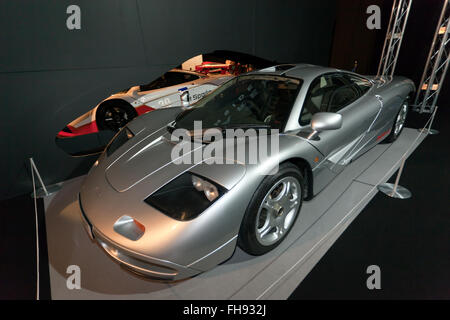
{"points": [[114, 115], [399, 123], [272, 211]]}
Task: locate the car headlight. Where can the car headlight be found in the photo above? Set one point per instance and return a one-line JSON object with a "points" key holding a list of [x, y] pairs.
{"points": [[119, 140], [210, 190], [185, 197]]}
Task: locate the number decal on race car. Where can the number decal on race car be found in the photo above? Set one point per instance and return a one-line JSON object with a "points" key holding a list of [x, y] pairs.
{"points": [[164, 102]]}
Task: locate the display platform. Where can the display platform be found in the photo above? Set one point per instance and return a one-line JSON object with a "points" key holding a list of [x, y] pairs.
{"points": [[272, 276]]}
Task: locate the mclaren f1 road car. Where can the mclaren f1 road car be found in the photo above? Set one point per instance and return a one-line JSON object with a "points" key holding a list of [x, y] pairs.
{"points": [[171, 220]]}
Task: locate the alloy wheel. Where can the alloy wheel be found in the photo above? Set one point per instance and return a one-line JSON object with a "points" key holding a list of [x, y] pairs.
{"points": [[401, 118], [278, 210], [115, 118]]}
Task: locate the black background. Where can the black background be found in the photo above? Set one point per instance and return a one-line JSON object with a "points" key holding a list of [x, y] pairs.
{"points": [[49, 75]]}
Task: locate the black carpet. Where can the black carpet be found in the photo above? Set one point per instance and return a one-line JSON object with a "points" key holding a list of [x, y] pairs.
{"points": [[408, 239], [18, 250]]}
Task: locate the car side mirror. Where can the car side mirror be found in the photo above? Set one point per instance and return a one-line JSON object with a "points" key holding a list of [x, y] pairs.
{"points": [[185, 99], [322, 121]]}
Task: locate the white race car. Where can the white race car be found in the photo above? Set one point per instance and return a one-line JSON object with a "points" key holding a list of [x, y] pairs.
{"points": [[118, 109], [181, 86]]}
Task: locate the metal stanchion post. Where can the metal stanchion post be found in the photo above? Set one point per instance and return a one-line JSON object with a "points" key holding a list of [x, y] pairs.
{"points": [[394, 190], [33, 167], [43, 191], [429, 130]]}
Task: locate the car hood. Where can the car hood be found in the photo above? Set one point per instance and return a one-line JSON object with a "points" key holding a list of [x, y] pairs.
{"points": [[153, 162], [142, 161], [145, 163]]}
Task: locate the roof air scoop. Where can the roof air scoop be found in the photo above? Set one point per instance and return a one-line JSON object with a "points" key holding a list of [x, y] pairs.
{"points": [[281, 67]]}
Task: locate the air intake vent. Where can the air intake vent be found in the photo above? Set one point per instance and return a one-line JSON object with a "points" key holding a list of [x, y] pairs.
{"points": [[281, 67]]}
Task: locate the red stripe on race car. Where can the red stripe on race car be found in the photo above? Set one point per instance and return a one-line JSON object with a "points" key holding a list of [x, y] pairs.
{"points": [[143, 109], [84, 129], [92, 127], [383, 134]]}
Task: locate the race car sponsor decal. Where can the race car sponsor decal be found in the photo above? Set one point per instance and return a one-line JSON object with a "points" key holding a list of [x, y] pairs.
{"points": [[200, 95]]}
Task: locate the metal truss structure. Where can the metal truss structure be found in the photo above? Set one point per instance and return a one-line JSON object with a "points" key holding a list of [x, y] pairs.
{"points": [[436, 66], [394, 37]]}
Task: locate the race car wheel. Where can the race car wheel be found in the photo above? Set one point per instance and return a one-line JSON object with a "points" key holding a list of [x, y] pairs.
{"points": [[272, 211], [399, 123], [114, 114]]}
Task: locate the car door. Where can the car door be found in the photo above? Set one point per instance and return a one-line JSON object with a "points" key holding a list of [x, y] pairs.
{"points": [[334, 93], [369, 110]]}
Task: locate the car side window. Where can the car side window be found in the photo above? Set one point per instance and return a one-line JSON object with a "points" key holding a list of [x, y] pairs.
{"points": [[167, 80], [155, 84], [345, 93], [319, 95], [189, 77], [331, 93], [174, 78], [364, 85]]}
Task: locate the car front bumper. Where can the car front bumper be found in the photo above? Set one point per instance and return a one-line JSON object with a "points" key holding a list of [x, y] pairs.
{"points": [[143, 265]]}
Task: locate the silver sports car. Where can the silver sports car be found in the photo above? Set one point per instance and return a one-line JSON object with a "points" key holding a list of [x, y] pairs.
{"points": [[172, 219]]}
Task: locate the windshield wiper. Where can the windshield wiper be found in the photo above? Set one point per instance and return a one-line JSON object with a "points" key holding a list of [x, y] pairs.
{"points": [[171, 126], [246, 126], [192, 134]]}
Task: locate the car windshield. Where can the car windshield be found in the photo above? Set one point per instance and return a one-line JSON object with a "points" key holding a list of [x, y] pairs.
{"points": [[168, 79], [244, 101]]}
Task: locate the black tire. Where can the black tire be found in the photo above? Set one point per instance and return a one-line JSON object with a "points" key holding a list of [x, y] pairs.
{"points": [[114, 114], [248, 239], [393, 135]]}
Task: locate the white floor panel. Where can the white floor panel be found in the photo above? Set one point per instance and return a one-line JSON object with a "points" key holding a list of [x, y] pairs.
{"points": [[272, 276]]}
